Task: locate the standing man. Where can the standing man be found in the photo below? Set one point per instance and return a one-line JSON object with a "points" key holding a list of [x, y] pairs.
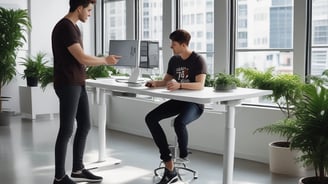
{"points": [[69, 83], [186, 70]]}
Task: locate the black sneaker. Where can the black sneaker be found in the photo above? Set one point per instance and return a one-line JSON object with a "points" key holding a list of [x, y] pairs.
{"points": [[85, 176], [169, 177], [64, 180]]}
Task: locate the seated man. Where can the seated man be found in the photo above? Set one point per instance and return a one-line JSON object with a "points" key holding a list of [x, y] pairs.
{"points": [[186, 70]]}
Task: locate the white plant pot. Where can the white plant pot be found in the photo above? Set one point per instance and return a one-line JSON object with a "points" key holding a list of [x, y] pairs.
{"points": [[283, 161]]}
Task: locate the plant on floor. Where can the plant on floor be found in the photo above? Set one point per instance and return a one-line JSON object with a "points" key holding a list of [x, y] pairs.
{"points": [[308, 130], [13, 26], [286, 88], [286, 93]]}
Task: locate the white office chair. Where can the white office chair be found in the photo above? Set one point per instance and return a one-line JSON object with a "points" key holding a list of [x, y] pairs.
{"points": [[180, 167]]}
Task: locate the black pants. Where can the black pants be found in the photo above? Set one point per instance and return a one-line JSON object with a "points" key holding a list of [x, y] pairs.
{"points": [[73, 105], [186, 113]]}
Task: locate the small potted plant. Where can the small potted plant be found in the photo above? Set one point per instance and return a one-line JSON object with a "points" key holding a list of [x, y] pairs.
{"points": [[224, 82], [34, 66]]}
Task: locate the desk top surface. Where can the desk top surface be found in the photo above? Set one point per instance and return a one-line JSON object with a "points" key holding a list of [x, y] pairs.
{"points": [[207, 95]]}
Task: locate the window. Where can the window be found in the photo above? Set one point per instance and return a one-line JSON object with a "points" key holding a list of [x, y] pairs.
{"points": [[152, 25], [197, 17], [264, 35], [114, 21], [319, 43]]}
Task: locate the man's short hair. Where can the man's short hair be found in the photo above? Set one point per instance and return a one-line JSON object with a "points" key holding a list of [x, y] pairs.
{"points": [[76, 3], [181, 36]]}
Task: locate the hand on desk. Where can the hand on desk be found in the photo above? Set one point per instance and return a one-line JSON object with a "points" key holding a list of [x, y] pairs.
{"points": [[150, 84], [171, 85]]}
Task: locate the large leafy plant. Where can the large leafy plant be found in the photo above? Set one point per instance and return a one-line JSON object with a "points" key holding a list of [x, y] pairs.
{"points": [[308, 129], [286, 93], [13, 26]]}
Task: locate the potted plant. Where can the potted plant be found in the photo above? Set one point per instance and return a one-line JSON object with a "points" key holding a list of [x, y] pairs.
{"points": [[34, 66], [13, 25], [223, 82], [308, 131], [286, 92]]}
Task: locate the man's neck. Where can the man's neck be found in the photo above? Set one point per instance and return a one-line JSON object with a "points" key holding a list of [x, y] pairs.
{"points": [[184, 55], [72, 17]]}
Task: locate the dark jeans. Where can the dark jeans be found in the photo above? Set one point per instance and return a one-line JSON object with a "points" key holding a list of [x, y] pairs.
{"points": [[73, 105], [186, 113]]}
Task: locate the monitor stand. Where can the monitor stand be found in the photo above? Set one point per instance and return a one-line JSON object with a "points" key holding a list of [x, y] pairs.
{"points": [[133, 79]]}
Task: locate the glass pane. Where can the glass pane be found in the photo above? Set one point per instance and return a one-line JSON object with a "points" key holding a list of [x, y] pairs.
{"points": [[197, 18], [319, 55], [262, 60], [151, 27], [264, 25], [114, 21]]}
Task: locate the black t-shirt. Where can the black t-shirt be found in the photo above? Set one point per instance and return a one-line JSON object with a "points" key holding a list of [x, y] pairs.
{"points": [[67, 70], [187, 70]]}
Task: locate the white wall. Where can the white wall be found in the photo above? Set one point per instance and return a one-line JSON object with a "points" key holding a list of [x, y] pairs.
{"points": [[206, 133]]}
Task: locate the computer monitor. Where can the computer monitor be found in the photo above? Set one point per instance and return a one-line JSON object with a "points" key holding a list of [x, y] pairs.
{"points": [[149, 54], [128, 49]]}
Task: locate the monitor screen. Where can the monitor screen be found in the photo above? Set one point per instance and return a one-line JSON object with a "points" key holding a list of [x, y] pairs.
{"points": [[149, 54], [128, 49]]}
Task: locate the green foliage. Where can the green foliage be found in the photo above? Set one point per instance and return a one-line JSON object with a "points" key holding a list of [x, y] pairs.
{"points": [[209, 81], [47, 76], [225, 81], [311, 127], [13, 26], [34, 65], [94, 72], [286, 88]]}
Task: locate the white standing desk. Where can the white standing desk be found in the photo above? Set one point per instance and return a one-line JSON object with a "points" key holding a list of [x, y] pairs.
{"points": [[207, 95]]}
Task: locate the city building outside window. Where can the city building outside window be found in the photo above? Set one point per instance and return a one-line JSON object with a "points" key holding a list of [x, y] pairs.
{"points": [[264, 34], [319, 36], [197, 17]]}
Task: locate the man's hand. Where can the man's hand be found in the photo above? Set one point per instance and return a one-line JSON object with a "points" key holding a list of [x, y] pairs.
{"points": [[112, 59], [150, 84], [173, 85]]}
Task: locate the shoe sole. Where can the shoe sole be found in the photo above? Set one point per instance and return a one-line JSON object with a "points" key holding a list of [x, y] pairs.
{"points": [[86, 180]]}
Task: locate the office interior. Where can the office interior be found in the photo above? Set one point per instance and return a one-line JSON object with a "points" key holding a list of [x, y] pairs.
{"points": [[206, 134]]}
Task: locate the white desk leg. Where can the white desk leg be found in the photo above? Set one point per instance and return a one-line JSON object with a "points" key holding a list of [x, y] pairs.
{"points": [[229, 144], [102, 125]]}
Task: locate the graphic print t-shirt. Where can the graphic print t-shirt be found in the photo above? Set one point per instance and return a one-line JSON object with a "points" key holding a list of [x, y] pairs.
{"points": [[186, 70]]}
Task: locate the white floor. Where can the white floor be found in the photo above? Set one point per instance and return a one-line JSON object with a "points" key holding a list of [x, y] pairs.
{"points": [[27, 157]]}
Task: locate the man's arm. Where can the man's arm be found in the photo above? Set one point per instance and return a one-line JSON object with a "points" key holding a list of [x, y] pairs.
{"points": [[78, 53], [197, 85], [160, 83]]}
